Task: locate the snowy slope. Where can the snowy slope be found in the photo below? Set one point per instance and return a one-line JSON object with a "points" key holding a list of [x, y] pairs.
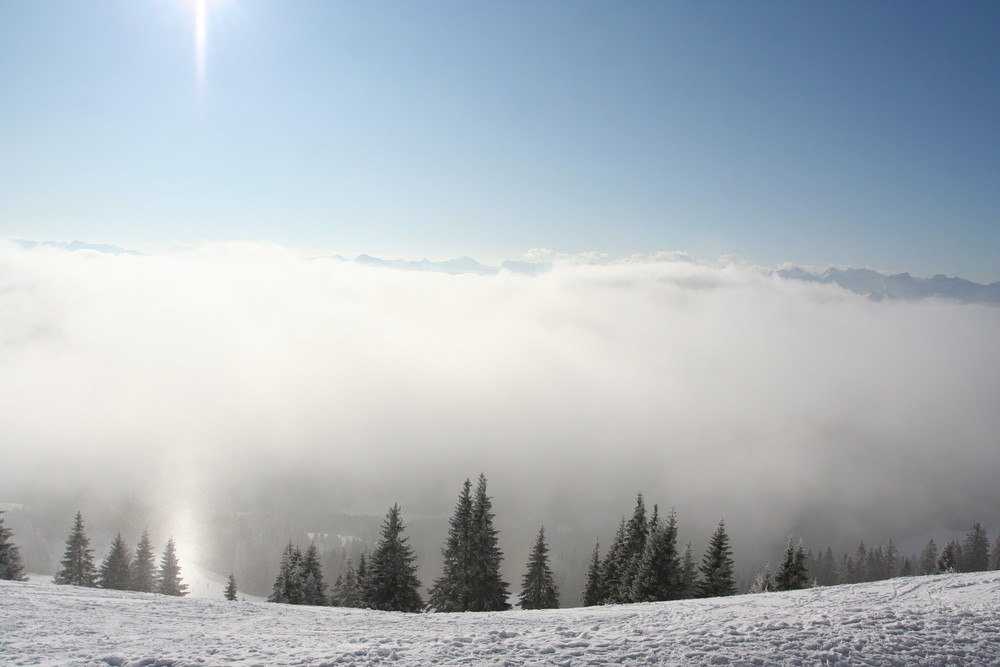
{"points": [[942, 620]]}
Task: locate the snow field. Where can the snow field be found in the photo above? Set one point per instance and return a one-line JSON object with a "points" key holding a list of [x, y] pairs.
{"points": [[940, 620]]}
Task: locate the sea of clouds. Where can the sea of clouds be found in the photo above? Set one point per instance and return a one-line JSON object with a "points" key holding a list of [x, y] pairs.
{"points": [[230, 372]]}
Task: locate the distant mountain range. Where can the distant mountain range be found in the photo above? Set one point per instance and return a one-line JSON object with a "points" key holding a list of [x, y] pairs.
{"points": [[106, 248], [879, 286], [874, 285], [866, 282]]}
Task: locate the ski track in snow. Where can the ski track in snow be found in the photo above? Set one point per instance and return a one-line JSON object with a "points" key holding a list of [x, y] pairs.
{"points": [[939, 620]]}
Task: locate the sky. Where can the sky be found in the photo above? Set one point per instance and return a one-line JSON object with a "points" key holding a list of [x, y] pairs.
{"points": [[853, 134], [236, 363]]}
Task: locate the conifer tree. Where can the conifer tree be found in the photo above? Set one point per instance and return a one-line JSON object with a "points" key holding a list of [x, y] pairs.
{"points": [[660, 575], [362, 577], [347, 592], [792, 574], [142, 577], [875, 564], [613, 565], [995, 555], [762, 581], [336, 595], [487, 591], [538, 588], [287, 587], [928, 558], [169, 577], [948, 560], [78, 562], [452, 590], [689, 574], [116, 568], [847, 570], [231, 590], [975, 550], [11, 568], [825, 568], [906, 569], [717, 566], [313, 586], [859, 572], [594, 592], [891, 562], [391, 582], [636, 532]]}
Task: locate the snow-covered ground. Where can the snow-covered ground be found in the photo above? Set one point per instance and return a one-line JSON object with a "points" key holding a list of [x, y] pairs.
{"points": [[941, 620]]}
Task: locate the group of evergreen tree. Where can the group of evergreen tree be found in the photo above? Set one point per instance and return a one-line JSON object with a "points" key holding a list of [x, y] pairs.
{"points": [[800, 568], [11, 568], [300, 578], [471, 578], [971, 555], [119, 569], [388, 581], [644, 564], [348, 589]]}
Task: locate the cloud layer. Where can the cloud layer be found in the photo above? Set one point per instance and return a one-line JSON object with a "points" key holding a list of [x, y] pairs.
{"points": [[241, 374]]}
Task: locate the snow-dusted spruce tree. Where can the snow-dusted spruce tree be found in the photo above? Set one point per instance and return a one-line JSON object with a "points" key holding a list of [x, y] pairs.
{"points": [[717, 566], [593, 593], [11, 568], [313, 586], [825, 568], [659, 576], [487, 591], [859, 565], [143, 575], [451, 590], [78, 563], [347, 592], [169, 577], [362, 578], [762, 581], [231, 590], [115, 572], [928, 558], [948, 560], [288, 584], [689, 574], [792, 574], [975, 550], [391, 582], [636, 532], [875, 570], [538, 588], [612, 566]]}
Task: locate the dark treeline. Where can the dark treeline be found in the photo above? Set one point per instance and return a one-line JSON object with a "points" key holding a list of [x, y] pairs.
{"points": [[119, 570], [883, 561], [643, 562]]}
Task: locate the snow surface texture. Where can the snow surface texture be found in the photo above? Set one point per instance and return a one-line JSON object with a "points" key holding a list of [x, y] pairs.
{"points": [[940, 620]]}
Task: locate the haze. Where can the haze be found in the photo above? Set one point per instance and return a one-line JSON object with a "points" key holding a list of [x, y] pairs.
{"points": [[240, 376]]}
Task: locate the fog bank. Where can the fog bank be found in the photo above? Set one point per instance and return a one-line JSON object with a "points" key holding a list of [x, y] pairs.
{"points": [[239, 376]]}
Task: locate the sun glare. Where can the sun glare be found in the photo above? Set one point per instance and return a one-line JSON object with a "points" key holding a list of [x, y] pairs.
{"points": [[199, 38]]}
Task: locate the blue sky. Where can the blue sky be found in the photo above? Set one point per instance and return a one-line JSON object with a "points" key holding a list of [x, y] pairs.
{"points": [[852, 133]]}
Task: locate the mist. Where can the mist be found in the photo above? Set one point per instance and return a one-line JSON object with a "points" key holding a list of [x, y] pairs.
{"points": [[244, 376]]}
